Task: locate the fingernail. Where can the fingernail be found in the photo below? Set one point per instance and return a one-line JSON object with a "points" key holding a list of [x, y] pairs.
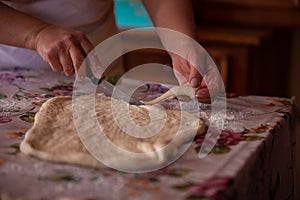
{"points": [[194, 82]]}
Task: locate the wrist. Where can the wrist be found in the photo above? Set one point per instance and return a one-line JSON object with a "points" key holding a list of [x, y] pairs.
{"points": [[32, 37]]}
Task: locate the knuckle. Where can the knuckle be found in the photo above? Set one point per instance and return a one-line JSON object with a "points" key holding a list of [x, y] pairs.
{"points": [[68, 67], [68, 71], [45, 51], [70, 38], [66, 41], [48, 54], [81, 35]]}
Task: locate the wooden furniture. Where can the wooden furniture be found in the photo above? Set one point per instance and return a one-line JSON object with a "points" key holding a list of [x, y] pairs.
{"points": [[257, 13], [257, 36], [250, 61], [249, 40], [256, 58]]}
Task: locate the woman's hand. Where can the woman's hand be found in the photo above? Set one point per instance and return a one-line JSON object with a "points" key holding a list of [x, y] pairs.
{"points": [[182, 21], [64, 49], [187, 74]]}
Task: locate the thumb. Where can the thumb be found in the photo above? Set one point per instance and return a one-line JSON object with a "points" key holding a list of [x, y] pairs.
{"points": [[194, 78]]}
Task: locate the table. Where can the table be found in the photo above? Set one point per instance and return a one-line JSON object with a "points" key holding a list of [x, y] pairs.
{"points": [[253, 158]]}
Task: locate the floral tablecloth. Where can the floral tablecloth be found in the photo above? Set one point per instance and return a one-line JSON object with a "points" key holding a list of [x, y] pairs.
{"points": [[253, 158]]}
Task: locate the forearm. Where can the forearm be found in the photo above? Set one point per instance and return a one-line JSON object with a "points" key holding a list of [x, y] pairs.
{"points": [[17, 28], [177, 15]]}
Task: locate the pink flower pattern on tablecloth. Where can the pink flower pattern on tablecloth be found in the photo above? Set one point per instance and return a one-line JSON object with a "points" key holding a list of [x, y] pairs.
{"points": [[214, 188], [12, 77], [37, 97], [5, 119], [61, 90], [226, 138]]}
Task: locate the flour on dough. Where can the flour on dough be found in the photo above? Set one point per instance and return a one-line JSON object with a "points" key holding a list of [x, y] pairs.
{"points": [[54, 137]]}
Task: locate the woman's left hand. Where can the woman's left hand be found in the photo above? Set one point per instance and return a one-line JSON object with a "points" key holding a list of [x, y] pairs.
{"points": [[187, 74]]}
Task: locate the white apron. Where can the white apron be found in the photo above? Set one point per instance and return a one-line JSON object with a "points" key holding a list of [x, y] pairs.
{"points": [[95, 18]]}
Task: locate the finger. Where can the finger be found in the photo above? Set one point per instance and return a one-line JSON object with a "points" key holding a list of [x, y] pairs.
{"points": [[203, 84], [214, 81], [194, 77], [180, 76], [77, 57], [181, 70], [54, 63], [66, 62], [203, 92], [86, 45], [203, 95], [204, 100], [95, 64]]}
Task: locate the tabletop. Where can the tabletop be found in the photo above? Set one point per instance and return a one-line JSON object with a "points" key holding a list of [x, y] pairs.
{"points": [[253, 157]]}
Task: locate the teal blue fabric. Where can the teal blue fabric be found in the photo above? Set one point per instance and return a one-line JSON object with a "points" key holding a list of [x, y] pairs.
{"points": [[131, 13]]}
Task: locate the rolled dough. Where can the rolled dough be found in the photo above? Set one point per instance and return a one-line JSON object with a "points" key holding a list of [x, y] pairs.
{"points": [[54, 137]]}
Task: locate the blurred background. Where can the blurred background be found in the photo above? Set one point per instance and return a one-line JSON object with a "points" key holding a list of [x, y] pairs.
{"points": [[256, 45]]}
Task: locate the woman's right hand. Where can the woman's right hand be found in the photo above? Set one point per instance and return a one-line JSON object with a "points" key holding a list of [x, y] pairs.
{"points": [[64, 49]]}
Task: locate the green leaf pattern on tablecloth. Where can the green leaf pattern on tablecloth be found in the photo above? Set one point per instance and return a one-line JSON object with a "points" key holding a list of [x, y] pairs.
{"points": [[36, 96], [61, 176], [3, 96], [15, 148], [28, 117]]}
